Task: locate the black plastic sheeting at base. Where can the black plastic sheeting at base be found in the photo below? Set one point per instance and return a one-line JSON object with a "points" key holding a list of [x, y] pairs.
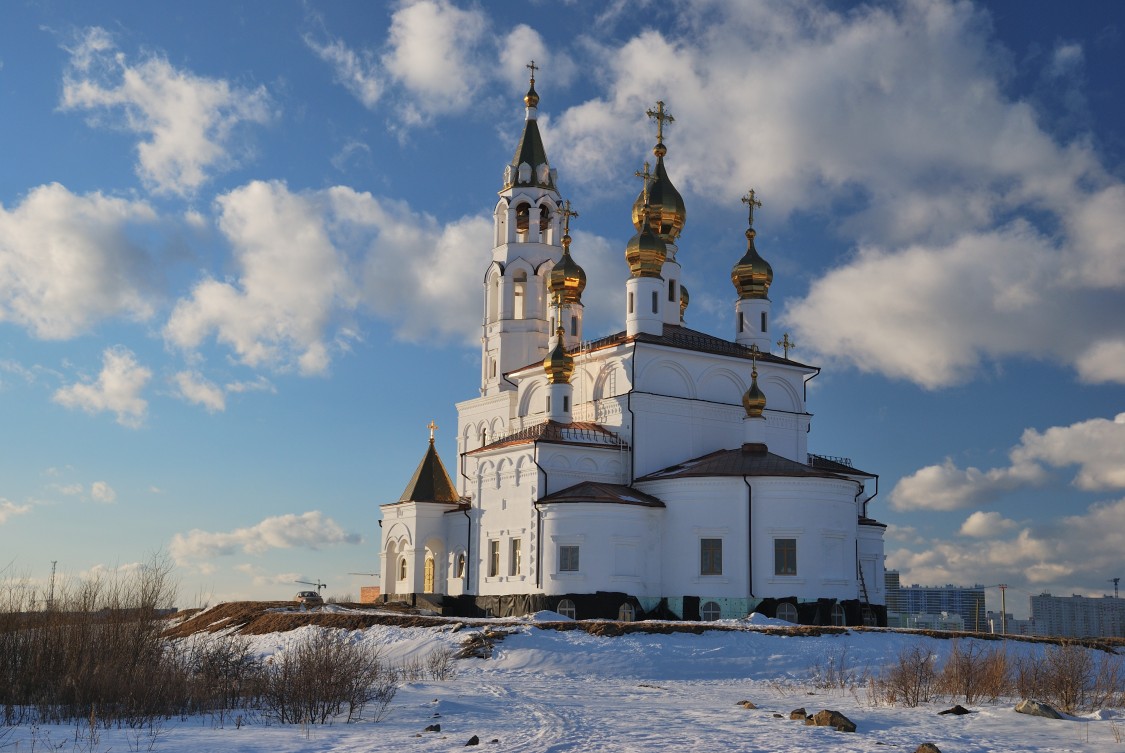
{"points": [[607, 605]]}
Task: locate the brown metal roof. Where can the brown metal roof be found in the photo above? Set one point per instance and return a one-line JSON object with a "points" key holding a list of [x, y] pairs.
{"points": [[675, 336], [837, 465], [430, 482], [748, 460], [599, 493], [578, 432]]}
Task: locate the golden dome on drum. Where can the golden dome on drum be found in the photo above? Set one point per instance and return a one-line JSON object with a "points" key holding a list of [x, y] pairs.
{"points": [[752, 275], [754, 400], [567, 280], [645, 252], [666, 210], [684, 300], [531, 99], [558, 364]]}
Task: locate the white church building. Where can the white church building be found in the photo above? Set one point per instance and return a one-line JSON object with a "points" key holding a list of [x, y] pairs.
{"points": [[659, 472]]}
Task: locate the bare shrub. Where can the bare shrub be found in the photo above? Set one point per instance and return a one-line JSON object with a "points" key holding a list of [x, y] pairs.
{"points": [[837, 672], [325, 676], [975, 673], [1070, 678], [439, 663], [910, 681]]}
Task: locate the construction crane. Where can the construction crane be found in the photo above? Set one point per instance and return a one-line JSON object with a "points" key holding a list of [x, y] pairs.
{"points": [[1114, 581], [369, 575], [1003, 606], [318, 584]]}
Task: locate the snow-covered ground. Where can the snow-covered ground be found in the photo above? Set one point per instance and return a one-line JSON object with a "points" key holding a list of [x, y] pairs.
{"points": [[549, 690]]}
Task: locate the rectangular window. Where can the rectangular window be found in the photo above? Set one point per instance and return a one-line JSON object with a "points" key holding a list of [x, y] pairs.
{"points": [[671, 291], [566, 404], [655, 302], [785, 556], [515, 561], [630, 303], [710, 556], [493, 557], [741, 320], [573, 326], [764, 328], [568, 559], [548, 403]]}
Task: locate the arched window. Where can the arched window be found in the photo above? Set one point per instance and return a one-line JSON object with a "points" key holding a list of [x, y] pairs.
{"points": [[566, 609], [519, 293], [626, 613], [459, 568], [522, 212], [428, 575], [494, 298], [787, 612], [402, 568], [838, 617], [869, 617], [710, 612]]}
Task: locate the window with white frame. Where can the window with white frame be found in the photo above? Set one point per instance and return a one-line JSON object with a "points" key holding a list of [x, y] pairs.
{"points": [[838, 617], [710, 612], [460, 567], [566, 609], [515, 557], [627, 613], [710, 556], [568, 558], [493, 557]]}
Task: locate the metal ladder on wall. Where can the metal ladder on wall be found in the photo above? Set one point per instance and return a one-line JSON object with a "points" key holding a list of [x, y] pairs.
{"points": [[862, 581]]}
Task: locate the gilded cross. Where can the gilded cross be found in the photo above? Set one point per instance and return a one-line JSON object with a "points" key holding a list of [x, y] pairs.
{"points": [[533, 68], [432, 426], [661, 118], [787, 344], [754, 353], [648, 178], [750, 200], [567, 213]]}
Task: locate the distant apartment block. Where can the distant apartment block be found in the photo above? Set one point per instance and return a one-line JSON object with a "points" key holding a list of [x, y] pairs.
{"points": [[1077, 616], [998, 625], [904, 601]]}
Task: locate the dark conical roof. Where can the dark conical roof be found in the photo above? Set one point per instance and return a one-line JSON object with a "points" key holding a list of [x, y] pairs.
{"points": [[430, 482], [531, 150]]}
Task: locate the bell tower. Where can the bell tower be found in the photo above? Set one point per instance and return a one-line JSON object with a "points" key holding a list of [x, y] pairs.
{"points": [[527, 243]]}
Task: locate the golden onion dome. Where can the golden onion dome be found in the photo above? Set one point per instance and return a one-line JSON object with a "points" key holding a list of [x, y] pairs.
{"points": [[684, 299], [567, 280], [754, 400], [645, 252], [531, 99], [666, 210], [558, 364], [752, 275]]}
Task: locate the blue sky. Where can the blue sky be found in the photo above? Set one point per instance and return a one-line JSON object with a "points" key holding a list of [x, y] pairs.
{"points": [[241, 248]]}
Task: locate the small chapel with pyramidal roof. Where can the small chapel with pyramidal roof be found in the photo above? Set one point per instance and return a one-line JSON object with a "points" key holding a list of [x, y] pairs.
{"points": [[659, 472]]}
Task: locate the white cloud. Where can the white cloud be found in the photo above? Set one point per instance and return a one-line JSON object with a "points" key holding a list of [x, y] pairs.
{"points": [[947, 487], [523, 44], [187, 122], [355, 71], [102, 492], [117, 389], [68, 261], [1096, 446], [984, 524], [308, 262], [9, 509], [433, 53], [1068, 554], [979, 235], [195, 388], [1103, 362], [310, 530]]}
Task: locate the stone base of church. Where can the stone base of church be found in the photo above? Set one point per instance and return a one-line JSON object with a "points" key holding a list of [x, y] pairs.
{"points": [[605, 605]]}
